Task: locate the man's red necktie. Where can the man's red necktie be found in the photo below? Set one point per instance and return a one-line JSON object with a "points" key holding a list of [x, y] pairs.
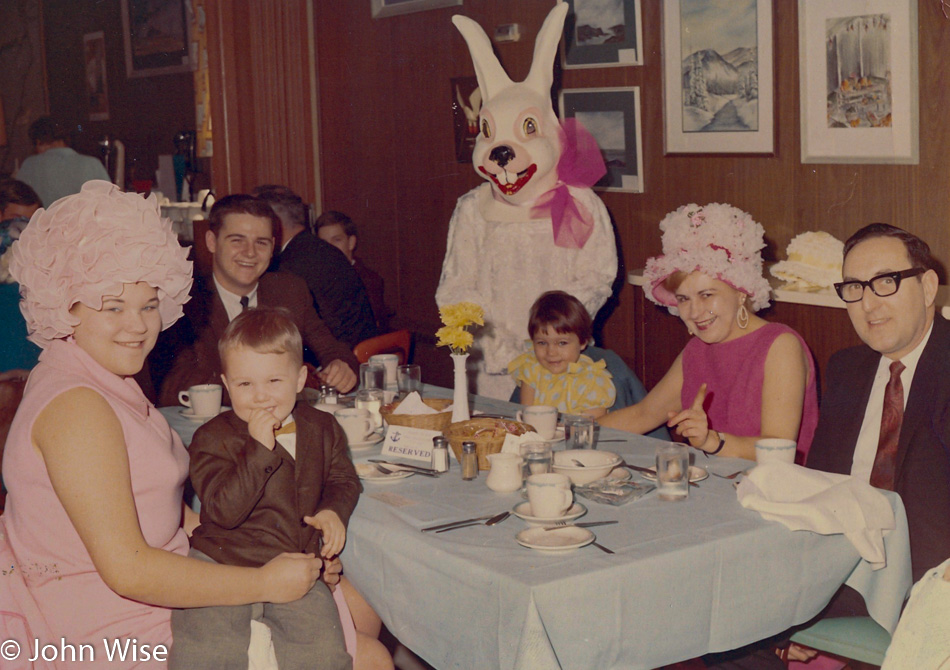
{"points": [[882, 474]]}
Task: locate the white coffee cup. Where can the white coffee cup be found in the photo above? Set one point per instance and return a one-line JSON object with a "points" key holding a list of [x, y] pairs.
{"points": [[203, 399], [356, 423], [549, 494], [390, 362], [775, 449], [542, 417]]}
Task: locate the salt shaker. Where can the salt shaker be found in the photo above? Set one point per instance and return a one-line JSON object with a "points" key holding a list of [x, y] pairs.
{"points": [[440, 454], [469, 461], [328, 395]]}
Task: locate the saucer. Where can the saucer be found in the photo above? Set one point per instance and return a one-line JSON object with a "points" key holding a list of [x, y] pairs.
{"points": [[369, 472], [619, 474], [696, 474], [189, 414], [557, 540], [375, 438], [523, 511], [558, 435]]}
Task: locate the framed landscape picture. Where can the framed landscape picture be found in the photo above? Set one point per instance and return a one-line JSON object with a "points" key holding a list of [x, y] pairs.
{"points": [[602, 33], [718, 77], [859, 91], [612, 116], [156, 37]]}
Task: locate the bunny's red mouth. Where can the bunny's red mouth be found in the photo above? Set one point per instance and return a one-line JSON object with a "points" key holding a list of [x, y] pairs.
{"points": [[510, 189]]}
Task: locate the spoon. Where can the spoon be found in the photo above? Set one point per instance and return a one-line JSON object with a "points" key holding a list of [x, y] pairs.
{"points": [[578, 463]]}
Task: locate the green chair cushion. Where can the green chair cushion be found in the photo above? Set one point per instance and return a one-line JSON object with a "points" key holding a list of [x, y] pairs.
{"points": [[858, 638]]}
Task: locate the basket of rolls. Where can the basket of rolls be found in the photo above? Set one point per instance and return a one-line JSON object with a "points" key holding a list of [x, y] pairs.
{"points": [[440, 421], [488, 434]]}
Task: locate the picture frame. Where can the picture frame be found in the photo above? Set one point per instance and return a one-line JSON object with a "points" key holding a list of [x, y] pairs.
{"points": [[94, 62], [156, 37], [466, 104], [602, 34], [718, 76], [859, 94], [612, 116], [383, 8]]}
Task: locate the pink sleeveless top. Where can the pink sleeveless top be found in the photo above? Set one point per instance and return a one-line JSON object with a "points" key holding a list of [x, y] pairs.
{"points": [[734, 373], [56, 568]]}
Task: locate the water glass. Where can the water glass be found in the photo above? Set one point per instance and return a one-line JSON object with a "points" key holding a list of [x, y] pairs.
{"points": [[371, 400], [372, 376], [535, 458], [672, 471], [409, 379], [579, 432]]}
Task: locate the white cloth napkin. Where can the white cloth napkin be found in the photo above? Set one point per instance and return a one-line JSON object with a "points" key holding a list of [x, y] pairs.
{"points": [[922, 639], [821, 502], [412, 404]]}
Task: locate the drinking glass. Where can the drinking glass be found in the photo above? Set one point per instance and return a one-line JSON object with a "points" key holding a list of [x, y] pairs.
{"points": [[579, 431], [409, 379], [672, 471], [372, 400], [372, 376], [535, 458]]}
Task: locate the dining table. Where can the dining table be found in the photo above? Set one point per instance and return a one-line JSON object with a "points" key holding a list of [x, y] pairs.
{"points": [[684, 578]]}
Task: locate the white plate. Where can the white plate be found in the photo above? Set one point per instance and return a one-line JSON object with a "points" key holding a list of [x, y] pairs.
{"points": [[696, 474], [523, 511], [559, 539], [619, 474], [366, 444], [558, 435], [189, 414], [371, 473]]}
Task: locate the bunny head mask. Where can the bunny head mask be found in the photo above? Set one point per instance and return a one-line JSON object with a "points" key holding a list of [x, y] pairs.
{"points": [[520, 139]]}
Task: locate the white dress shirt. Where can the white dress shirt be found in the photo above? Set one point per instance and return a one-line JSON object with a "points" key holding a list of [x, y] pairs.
{"points": [[232, 301]]}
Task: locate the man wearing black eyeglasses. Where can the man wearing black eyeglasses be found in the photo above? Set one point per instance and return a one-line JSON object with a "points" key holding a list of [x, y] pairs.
{"points": [[885, 415]]}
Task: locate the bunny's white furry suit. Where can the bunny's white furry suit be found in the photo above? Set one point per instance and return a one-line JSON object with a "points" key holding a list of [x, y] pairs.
{"points": [[528, 229]]}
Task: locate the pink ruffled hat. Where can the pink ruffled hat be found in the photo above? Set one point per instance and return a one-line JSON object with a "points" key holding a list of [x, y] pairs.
{"points": [[86, 246], [718, 240]]}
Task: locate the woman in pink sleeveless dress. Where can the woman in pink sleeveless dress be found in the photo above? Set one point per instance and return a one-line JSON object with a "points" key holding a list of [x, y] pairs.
{"points": [[740, 378], [92, 547]]}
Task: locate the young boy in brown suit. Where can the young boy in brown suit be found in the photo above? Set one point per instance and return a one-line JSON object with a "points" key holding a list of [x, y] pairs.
{"points": [[273, 476]]}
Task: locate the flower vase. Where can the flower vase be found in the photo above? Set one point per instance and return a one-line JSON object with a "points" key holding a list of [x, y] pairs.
{"points": [[460, 396]]}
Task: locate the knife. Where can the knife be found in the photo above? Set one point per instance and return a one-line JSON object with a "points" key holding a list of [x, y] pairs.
{"points": [[458, 523], [413, 468], [498, 518], [583, 524]]}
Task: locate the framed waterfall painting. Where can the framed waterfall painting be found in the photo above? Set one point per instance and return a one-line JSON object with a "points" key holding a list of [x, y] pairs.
{"points": [[718, 77], [859, 89]]}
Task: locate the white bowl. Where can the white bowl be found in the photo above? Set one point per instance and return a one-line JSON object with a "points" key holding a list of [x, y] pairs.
{"points": [[596, 464]]}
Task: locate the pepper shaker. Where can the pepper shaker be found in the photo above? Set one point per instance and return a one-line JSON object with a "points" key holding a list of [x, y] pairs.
{"points": [[328, 395], [440, 454], [469, 461]]}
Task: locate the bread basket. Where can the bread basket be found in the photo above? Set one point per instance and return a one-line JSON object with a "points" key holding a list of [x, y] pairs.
{"points": [[487, 433], [438, 421]]}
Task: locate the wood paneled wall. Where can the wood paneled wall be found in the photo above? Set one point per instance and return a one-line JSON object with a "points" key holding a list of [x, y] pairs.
{"points": [[388, 160], [259, 60]]}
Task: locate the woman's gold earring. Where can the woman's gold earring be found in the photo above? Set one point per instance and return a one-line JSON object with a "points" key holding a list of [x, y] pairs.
{"points": [[742, 316]]}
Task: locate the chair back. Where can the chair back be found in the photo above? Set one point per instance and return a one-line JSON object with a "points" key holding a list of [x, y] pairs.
{"points": [[398, 342]]}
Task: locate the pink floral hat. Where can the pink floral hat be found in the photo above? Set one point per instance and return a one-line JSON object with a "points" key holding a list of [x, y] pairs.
{"points": [[716, 239], [86, 246]]}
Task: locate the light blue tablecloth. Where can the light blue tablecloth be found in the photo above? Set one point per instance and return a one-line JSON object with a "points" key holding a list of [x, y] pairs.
{"points": [[687, 578]]}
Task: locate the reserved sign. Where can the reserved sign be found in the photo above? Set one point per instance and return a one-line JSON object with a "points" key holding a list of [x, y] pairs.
{"points": [[412, 443]]}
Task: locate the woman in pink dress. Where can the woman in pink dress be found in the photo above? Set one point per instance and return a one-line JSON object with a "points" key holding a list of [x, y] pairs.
{"points": [[92, 543], [740, 378]]}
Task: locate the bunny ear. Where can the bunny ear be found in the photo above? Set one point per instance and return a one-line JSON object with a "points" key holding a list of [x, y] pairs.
{"points": [[491, 77], [541, 76]]}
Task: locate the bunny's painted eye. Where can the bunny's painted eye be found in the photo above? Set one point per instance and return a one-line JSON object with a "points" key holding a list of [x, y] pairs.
{"points": [[530, 126], [486, 129]]}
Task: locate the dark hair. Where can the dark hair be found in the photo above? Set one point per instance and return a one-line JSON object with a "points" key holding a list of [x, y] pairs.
{"points": [[45, 130], [332, 218], [241, 203], [289, 206], [266, 330], [14, 192], [562, 313], [918, 251]]}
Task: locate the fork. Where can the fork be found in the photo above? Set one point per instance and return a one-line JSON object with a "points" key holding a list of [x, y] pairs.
{"points": [[732, 476]]}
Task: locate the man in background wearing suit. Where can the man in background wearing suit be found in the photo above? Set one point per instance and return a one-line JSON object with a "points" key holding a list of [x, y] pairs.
{"points": [[337, 291], [241, 241], [885, 416]]}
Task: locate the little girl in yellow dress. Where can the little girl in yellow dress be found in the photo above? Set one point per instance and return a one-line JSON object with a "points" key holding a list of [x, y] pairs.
{"points": [[555, 372]]}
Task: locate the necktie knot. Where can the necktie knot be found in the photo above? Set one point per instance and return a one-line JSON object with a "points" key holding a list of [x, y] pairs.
{"points": [[288, 428], [896, 369], [245, 301]]}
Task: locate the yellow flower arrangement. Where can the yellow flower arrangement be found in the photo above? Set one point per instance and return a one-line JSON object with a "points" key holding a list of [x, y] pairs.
{"points": [[457, 318]]}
